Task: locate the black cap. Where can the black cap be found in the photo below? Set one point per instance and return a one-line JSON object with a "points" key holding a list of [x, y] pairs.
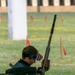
{"points": [[29, 50]]}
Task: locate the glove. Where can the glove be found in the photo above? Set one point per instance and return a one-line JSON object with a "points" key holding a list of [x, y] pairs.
{"points": [[39, 57], [47, 65]]}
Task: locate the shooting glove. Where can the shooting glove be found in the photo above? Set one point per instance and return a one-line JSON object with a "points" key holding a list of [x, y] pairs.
{"points": [[39, 57], [47, 65]]}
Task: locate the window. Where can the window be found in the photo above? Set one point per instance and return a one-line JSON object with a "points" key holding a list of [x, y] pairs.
{"points": [[40, 2], [72, 2], [50, 2], [61, 2], [29, 2]]}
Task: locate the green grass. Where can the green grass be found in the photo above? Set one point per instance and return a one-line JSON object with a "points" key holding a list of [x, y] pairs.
{"points": [[38, 34]]}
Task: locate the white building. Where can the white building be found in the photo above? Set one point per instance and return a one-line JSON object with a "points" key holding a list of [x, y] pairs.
{"points": [[45, 5]]}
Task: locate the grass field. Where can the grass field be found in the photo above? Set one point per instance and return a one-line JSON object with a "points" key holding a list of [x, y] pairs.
{"points": [[38, 34]]}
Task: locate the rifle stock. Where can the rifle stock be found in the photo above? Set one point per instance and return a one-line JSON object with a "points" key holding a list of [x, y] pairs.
{"points": [[48, 46]]}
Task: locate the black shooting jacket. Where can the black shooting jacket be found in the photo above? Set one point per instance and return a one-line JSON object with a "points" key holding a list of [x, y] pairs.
{"points": [[21, 68]]}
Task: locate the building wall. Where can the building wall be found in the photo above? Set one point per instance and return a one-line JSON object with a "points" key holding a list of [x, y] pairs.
{"points": [[44, 5]]}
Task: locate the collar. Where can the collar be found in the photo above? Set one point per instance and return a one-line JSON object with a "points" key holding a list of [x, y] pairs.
{"points": [[24, 62]]}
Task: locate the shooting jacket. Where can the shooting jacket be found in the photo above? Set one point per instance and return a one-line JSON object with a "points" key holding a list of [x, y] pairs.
{"points": [[22, 68]]}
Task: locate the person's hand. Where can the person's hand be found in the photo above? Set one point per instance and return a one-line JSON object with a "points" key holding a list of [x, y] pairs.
{"points": [[47, 65], [39, 57]]}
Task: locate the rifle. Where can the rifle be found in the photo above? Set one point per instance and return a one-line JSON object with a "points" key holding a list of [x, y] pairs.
{"points": [[48, 47]]}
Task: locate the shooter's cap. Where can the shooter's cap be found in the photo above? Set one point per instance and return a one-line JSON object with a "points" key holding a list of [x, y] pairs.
{"points": [[31, 52]]}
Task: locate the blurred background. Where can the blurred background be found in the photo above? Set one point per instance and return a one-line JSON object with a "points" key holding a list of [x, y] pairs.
{"points": [[40, 14]]}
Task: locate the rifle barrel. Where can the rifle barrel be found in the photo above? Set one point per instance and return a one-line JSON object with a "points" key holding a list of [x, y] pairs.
{"points": [[48, 46]]}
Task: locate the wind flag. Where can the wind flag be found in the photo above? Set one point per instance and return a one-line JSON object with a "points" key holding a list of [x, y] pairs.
{"points": [[61, 18], [60, 48], [31, 19], [64, 50], [45, 17], [1, 18], [27, 42]]}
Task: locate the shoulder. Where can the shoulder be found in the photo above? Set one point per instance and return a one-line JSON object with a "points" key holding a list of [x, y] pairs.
{"points": [[19, 64]]}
